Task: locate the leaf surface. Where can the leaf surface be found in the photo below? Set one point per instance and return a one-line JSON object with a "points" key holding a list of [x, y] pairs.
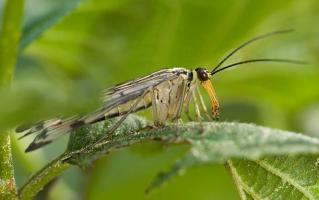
{"points": [[223, 141], [213, 142], [278, 177]]}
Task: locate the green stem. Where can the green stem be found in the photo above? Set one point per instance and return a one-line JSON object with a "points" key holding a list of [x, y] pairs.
{"points": [[9, 40], [7, 181], [36, 183]]}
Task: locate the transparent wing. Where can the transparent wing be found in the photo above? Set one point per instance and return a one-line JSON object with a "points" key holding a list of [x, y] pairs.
{"points": [[113, 97]]}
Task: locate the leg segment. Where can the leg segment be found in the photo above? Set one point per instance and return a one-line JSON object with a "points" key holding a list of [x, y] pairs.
{"points": [[111, 130], [180, 101], [202, 104], [154, 107], [197, 111], [187, 104]]}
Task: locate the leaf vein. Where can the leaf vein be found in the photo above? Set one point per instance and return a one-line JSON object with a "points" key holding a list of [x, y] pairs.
{"points": [[241, 185], [286, 178]]}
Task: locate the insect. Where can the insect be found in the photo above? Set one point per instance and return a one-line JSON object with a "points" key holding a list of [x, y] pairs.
{"points": [[168, 92]]}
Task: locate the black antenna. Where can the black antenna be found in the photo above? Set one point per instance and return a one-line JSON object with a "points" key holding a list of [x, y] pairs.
{"points": [[259, 60], [248, 42]]}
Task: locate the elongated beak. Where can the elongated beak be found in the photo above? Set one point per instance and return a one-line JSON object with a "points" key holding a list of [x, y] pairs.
{"points": [[212, 95]]}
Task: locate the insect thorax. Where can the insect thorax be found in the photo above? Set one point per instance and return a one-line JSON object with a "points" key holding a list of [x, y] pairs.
{"points": [[170, 95]]}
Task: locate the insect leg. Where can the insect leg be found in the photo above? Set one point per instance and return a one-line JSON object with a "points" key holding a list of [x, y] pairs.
{"points": [[202, 104], [188, 99], [111, 130], [180, 101], [154, 107], [197, 111], [132, 109], [179, 106], [187, 104]]}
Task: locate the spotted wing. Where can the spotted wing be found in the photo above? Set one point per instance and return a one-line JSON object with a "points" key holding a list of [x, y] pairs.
{"points": [[115, 96]]}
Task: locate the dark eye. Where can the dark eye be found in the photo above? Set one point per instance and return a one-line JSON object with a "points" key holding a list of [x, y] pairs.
{"points": [[202, 74]]}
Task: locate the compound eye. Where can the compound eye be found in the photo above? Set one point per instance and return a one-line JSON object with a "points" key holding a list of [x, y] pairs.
{"points": [[202, 74]]}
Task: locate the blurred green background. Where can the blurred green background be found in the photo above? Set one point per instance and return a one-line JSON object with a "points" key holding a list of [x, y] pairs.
{"points": [[101, 43]]}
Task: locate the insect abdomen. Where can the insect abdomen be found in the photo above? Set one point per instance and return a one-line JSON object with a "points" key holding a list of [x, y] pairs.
{"points": [[122, 109]]}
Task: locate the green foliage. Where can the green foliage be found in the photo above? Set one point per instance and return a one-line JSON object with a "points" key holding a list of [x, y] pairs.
{"points": [[37, 26], [223, 141], [277, 177], [102, 43], [88, 140], [209, 143], [36, 183], [9, 41], [70, 51], [33, 88], [7, 181]]}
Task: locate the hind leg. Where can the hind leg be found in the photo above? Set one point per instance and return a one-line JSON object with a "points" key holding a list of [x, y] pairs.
{"points": [[198, 116], [110, 132], [202, 105]]}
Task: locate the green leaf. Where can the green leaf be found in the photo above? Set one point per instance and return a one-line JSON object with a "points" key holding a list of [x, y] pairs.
{"points": [[219, 142], [78, 139], [210, 142], [37, 26], [278, 177], [86, 136]]}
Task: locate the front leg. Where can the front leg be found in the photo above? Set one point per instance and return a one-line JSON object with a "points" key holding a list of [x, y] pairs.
{"points": [[202, 104], [198, 117], [180, 101], [188, 99]]}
